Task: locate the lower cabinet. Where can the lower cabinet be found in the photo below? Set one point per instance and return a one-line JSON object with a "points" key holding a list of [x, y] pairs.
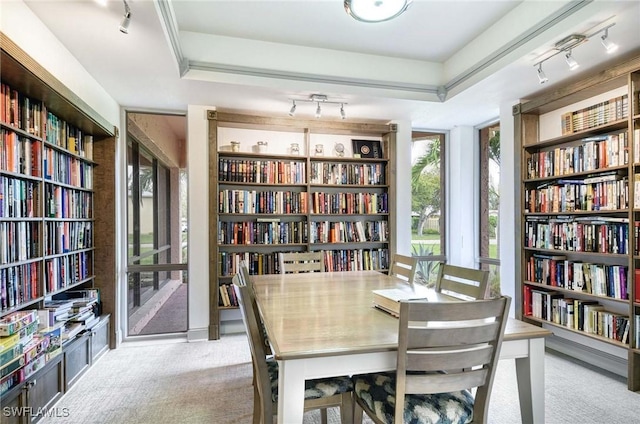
{"points": [[35, 397]]}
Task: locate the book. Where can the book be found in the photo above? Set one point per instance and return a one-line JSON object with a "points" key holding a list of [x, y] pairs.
{"points": [[15, 321], [388, 300]]}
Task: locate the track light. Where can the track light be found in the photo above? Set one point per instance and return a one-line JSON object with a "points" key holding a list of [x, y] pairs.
{"points": [[542, 77], [320, 100], [570, 42], [126, 19], [609, 45], [573, 64]]}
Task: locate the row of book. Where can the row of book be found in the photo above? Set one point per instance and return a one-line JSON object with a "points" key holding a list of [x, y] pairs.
{"points": [[18, 241], [65, 271], [349, 203], [592, 154], [262, 171], [348, 173], [62, 202], [579, 314], [19, 154], [262, 232], [597, 279], [19, 284], [258, 201], [593, 116], [61, 168], [227, 295], [258, 263], [578, 234], [18, 198], [31, 115], [67, 236], [26, 345], [579, 195], [348, 231]]}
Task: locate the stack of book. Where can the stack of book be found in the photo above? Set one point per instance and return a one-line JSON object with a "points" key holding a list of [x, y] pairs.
{"points": [[83, 311]]}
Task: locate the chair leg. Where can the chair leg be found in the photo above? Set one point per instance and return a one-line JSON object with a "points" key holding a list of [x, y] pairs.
{"points": [[323, 416], [346, 408], [357, 412], [257, 407]]}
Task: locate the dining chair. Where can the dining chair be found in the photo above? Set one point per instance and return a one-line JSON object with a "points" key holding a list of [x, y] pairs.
{"points": [[463, 283], [291, 262], [445, 350], [403, 267], [319, 393]]}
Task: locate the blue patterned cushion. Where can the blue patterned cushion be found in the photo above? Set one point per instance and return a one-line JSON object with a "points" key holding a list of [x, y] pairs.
{"points": [[378, 392], [313, 389]]}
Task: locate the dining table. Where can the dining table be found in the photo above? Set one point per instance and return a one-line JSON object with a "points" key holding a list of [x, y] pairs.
{"points": [[324, 324]]}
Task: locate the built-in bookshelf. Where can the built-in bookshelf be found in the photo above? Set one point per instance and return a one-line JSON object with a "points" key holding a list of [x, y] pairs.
{"points": [[579, 238], [50, 146], [294, 185]]}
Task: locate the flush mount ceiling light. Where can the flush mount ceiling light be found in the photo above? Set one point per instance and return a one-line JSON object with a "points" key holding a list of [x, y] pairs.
{"points": [[126, 19], [375, 10], [318, 99], [566, 46]]}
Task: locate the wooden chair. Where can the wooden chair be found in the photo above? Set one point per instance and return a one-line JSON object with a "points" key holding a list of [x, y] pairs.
{"points": [[403, 267], [292, 262], [463, 283], [445, 349], [319, 393]]}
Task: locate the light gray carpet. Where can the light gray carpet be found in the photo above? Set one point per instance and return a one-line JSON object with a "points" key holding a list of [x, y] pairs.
{"points": [[210, 382]]}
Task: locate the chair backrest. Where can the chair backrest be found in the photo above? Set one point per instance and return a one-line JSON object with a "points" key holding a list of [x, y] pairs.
{"points": [[465, 283], [301, 262], [462, 338], [403, 267], [252, 322]]}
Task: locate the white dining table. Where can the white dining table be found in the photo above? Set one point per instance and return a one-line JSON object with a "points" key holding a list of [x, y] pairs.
{"points": [[324, 324]]}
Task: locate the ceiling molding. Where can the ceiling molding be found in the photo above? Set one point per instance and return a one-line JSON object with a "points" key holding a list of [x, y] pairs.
{"points": [[170, 28], [311, 78]]}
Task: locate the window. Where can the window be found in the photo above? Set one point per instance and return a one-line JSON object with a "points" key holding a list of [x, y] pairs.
{"points": [[427, 203], [490, 204]]}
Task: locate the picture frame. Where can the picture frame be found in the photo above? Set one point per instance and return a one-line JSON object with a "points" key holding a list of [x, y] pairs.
{"points": [[369, 149]]}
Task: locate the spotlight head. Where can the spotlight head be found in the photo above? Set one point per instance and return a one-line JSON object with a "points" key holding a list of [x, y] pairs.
{"points": [[609, 45], [342, 114], [318, 111], [573, 64], [542, 77], [292, 111], [124, 25]]}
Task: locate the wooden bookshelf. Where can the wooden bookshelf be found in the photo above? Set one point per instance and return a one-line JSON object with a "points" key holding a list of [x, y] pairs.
{"points": [[56, 217], [300, 189], [580, 212]]}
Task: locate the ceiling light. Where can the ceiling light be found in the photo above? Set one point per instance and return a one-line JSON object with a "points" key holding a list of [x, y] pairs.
{"points": [[541, 75], [573, 64], [609, 45], [375, 10], [319, 100], [126, 19]]}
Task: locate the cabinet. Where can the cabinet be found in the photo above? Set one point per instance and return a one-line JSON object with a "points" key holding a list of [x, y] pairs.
{"points": [[54, 209], [293, 185], [579, 233]]}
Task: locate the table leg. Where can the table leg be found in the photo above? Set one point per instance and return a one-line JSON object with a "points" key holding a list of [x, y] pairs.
{"points": [[290, 391], [530, 373]]}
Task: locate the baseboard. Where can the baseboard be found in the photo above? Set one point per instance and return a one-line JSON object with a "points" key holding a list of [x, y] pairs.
{"points": [[232, 327], [609, 358], [197, 334]]}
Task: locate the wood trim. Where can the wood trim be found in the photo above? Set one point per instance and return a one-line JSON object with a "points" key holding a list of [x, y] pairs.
{"points": [[214, 310]]}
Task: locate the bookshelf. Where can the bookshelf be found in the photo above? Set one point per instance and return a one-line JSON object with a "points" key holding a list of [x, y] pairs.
{"points": [[54, 207], [579, 157], [294, 185]]}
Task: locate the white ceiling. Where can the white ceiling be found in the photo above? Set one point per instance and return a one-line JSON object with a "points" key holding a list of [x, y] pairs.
{"points": [[258, 55]]}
